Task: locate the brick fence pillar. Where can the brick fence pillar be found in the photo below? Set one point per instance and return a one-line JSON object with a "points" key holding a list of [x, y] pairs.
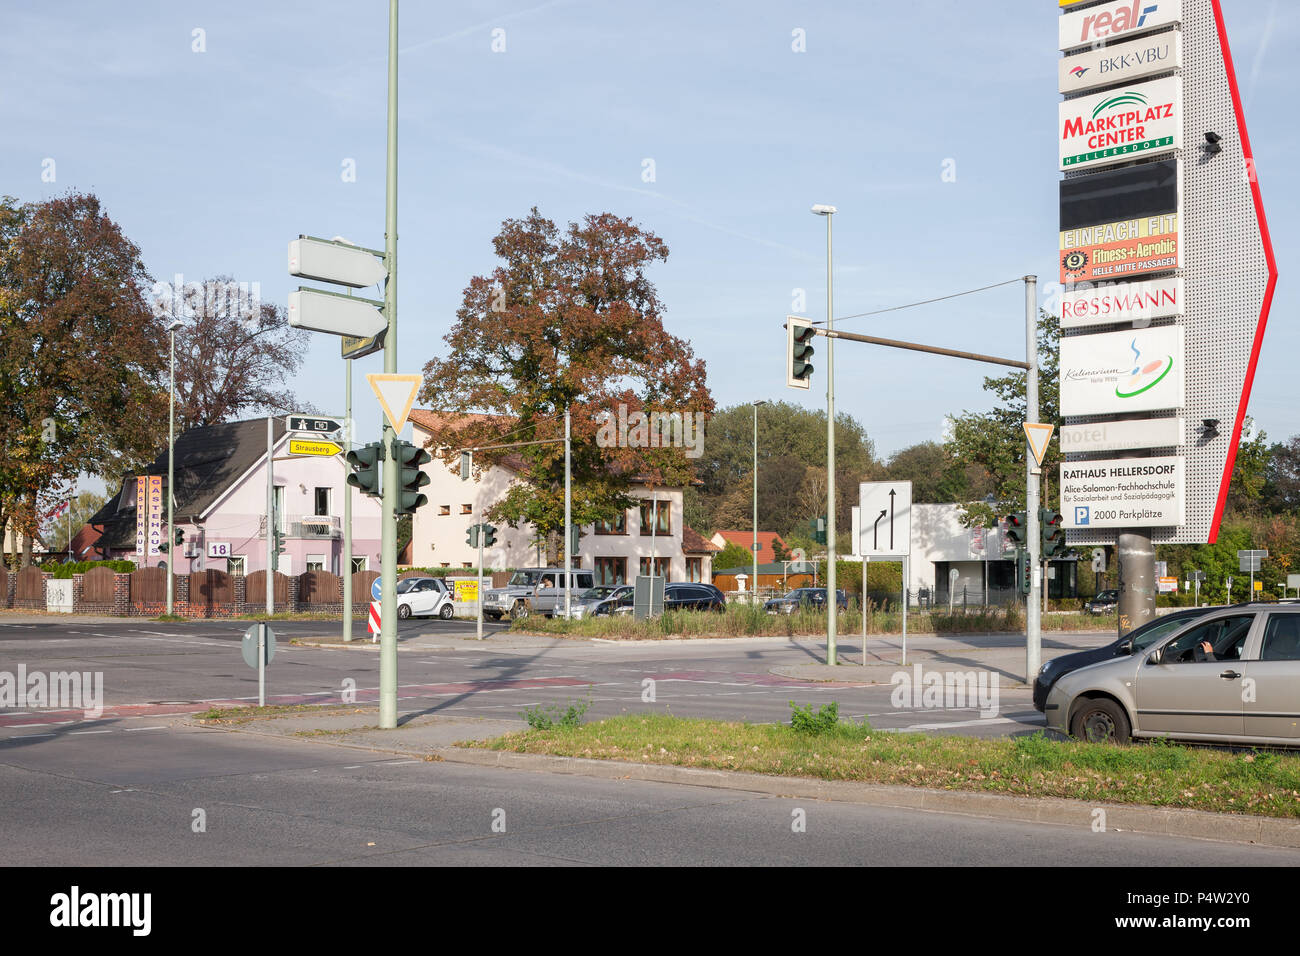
{"points": [[121, 595]]}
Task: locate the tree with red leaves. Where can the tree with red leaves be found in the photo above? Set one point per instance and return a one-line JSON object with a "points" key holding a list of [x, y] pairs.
{"points": [[567, 320]]}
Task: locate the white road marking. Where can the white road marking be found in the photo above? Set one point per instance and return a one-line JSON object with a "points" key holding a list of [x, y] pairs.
{"points": [[131, 730]]}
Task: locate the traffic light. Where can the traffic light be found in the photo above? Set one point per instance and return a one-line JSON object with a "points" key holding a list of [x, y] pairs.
{"points": [[489, 536], [472, 540], [1018, 528], [818, 528], [574, 534], [411, 477], [277, 548], [180, 537], [367, 472], [799, 334], [1024, 572], [1053, 534]]}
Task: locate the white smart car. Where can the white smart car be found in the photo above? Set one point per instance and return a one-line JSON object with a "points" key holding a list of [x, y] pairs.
{"points": [[424, 597]]}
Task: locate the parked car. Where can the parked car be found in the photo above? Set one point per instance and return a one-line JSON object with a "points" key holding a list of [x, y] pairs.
{"points": [[620, 596], [804, 597], [1229, 676], [1138, 639], [1103, 602], [585, 603], [535, 590], [423, 597], [681, 596]]}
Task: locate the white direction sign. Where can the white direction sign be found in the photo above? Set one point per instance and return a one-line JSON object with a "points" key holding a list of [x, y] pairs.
{"points": [[336, 314], [1122, 493], [885, 519], [396, 394], [1039, 437], [337, 262]]}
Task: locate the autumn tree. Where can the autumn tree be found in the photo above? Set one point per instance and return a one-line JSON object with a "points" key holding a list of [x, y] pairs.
{"points": [[566, 320], [80, 353], [234, 352]]}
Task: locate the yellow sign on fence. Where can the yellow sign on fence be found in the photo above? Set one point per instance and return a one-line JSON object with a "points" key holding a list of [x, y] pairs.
{"points": [[466, 590]]}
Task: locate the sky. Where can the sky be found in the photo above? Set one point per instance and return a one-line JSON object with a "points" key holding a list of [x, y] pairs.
{"points": [[215, 132]]}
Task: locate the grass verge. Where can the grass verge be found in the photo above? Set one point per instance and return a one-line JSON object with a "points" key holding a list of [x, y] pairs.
{"points": [[1156, 774], [242, 715], [744, 620]]}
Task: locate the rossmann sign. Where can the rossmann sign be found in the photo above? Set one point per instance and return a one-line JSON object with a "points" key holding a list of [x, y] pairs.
{"points": [[1142, 119], [1094, 26], [1088, 304], [1121, 63]]}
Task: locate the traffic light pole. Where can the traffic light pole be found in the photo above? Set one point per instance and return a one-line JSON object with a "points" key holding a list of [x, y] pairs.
{"points": [[388, 519], [832, 594], [1034, 611], [270, 517], [481, 536], [568, 522], [347, 512]]}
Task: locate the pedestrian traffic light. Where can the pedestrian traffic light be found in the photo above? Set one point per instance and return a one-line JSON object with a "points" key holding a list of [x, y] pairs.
{"points": [[1053, 535], [472, 540], [489, 536], [367, 472], [1024, 572], [277, 546], [799, 334], [1018, 528], [411, 477], [818, 528]]}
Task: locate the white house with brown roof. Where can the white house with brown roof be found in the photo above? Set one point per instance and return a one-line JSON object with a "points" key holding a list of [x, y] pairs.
{"points": [[653, 531]]}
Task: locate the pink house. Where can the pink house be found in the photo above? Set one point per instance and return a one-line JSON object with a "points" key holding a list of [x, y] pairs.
{"points": [[220, 506]]}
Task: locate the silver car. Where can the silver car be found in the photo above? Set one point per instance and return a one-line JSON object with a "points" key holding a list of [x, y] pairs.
{"points": [[1230, 676]]}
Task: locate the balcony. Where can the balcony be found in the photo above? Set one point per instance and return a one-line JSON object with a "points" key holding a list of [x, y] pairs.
{"points": [[326, 527]]}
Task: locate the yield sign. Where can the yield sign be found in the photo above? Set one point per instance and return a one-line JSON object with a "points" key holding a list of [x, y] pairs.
{"points": [[1039, 437], [396, 395]]}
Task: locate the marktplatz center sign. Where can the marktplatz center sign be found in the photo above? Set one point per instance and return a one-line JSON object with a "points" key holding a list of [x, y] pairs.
{"points": [[1122, 493]]}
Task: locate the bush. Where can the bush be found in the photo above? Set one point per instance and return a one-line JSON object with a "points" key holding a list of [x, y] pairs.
{"points": [[806, 722], [69, 568], [546, 717]]}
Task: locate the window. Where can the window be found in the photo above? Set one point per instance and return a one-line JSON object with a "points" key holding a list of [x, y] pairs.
{"points": [[1225, 635], [662, 567], [316, 562], [611, 571], [616, 526], [466, 564], [663, 515], [444, 509], [358, 565], [467, 509], [236, 565], [322, 502], [1282, 638], [695, 569], [445, 564]]}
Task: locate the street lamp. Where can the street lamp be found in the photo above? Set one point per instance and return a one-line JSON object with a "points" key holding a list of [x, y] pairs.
{"points": [[832, 595], [754, 550], [171, 466]]}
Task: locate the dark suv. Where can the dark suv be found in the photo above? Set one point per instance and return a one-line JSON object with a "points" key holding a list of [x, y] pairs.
{"points": [[693, 597]]}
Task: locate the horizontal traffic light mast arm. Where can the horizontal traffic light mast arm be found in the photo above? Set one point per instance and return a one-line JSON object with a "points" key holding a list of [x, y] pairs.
{"points": [[932, 349]]}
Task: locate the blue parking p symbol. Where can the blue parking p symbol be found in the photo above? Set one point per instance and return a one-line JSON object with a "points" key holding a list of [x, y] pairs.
{"points": [[1081, 515]]}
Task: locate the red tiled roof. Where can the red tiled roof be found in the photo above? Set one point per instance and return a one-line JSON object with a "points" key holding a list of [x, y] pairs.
{"points": [[695, 543], [744, 539]]}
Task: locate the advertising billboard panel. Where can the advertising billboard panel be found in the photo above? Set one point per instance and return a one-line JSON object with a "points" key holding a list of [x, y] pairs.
{"points": [[1128, 122], [1089, 304], [1122, 493], [1120, 63], [1116, 372], [1111, 21], [1118, 194], [1122, 435], [1117, 250]]}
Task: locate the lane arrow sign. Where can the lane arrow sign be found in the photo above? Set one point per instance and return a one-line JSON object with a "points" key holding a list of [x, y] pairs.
{"points": [[314, 447], [1039, 437], [396, 394]]}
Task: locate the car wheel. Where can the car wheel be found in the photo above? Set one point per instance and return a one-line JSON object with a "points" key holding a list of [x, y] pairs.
{"points": [[446, 612], [1100, 721], [519, 610], [403, 611]]}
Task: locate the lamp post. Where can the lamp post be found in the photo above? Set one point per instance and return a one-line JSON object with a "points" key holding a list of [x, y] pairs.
{"points": [[831, 593], [171, 467], [754, 549]]}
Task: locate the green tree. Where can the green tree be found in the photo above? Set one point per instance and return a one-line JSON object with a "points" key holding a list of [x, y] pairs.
{"points": [[566, 320], [937, 475], [995, 440], [733, 556]]}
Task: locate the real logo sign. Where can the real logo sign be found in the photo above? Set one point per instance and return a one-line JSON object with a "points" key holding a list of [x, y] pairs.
{"points": [[1115, 20]]}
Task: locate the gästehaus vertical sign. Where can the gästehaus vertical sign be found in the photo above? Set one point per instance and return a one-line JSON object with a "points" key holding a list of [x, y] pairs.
{"points": [[1122, 493]]}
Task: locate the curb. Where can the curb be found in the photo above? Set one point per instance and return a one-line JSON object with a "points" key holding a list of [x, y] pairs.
{"points": [[1120, 818]]}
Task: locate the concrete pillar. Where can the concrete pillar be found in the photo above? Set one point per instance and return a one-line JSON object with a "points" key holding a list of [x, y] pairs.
{"points": [[1136, 556]]}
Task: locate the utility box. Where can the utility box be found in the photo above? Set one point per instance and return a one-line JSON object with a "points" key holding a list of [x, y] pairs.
{"points": [[58, 595]]}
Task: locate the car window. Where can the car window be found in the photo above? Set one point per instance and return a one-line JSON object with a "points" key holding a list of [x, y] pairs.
{"points": [[1226, 635], [584, 581], [524, 578], [406, 586], [1281, 638], [1156, 632]]}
